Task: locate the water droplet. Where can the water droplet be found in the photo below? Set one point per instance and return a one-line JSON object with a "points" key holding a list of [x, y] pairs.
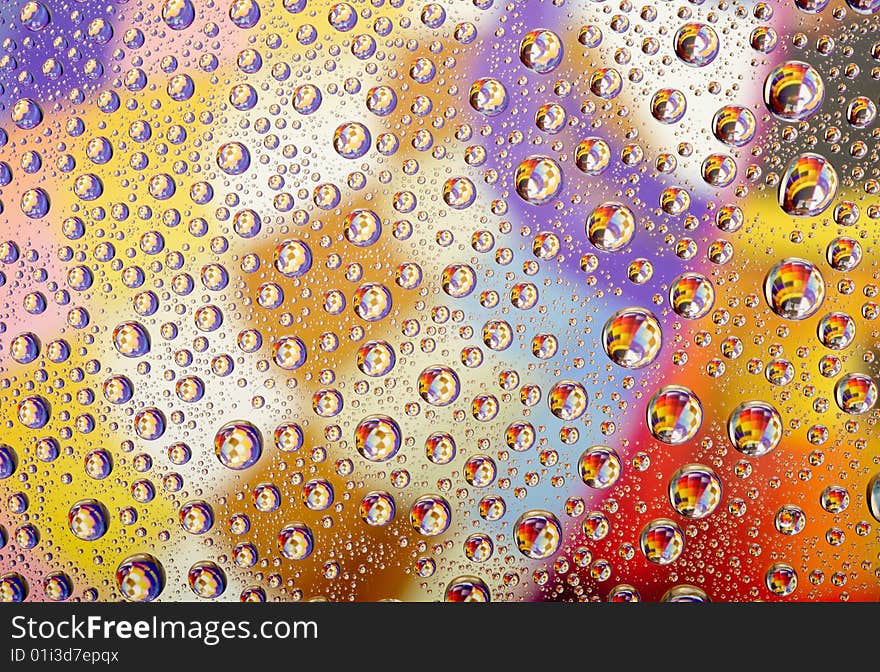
{"points": [[88, 519], [206, 580], [662, 541], [611, 226], [238, 445], [632, 338], [377, 438], [438, 385], [781, 579], [568, 400], [430, 515], [538, 180], [668, 106], [196, 517], [541, 51], [794, 288], [695, 491], [790, 520], [808, 186], [754, 428], [538, 534], [599, 467], [855, 393], [674, 415], [467, 589], [692, 296], [488, 97], [696, 44], [377, 508], [140, 578], [794, 91], [296, 541]]}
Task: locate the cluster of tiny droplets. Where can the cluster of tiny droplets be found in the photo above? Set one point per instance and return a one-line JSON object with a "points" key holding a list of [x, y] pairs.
{"points": [[465, 301]]}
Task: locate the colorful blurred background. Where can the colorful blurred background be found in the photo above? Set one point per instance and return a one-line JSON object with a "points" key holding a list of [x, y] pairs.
{"points": [[472, 300]]}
